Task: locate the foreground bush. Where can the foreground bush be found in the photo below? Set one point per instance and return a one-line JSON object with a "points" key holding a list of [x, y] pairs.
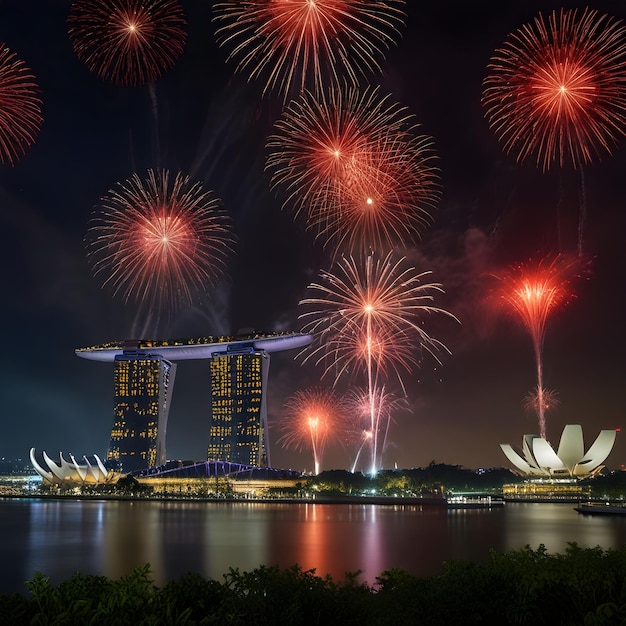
{"points": [[582, 586]]}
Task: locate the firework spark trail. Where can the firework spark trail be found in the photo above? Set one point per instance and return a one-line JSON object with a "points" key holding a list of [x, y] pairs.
{"points": [[155, 116], [532, 292], [20, 107], [159, 242], [367, 319], [353, 167], [127, 42], [377, 402], [309, 419], [366, 437], [304, 44]]}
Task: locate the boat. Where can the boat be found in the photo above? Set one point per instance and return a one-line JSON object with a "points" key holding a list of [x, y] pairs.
{"points": [[474, 501], [601, 509]]}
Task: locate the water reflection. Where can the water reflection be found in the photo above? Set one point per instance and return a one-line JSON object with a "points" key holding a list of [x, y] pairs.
{"points": [[555, 526], [133, 536], [237, 536], [61, 537], [65, 535]]}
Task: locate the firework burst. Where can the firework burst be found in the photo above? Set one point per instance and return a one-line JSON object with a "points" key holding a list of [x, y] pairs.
{"points": [[362, 405], [368, 319], [305, 44], [370, 312], [310, 418], [556, 90], [127, 42], [533, 292], [20, 107], [159, 242], [548, 397], [352, 166]]}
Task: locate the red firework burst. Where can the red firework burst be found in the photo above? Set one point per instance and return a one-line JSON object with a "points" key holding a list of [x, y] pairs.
{"points": [[159, 243], [368, 317], [304, 44], [20, 107], [352, 166], [310, 418], [532, 292], [556, 91], [548, 398], [128, 42]]}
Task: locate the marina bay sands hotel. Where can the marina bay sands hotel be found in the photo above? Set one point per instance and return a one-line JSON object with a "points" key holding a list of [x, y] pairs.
{"points": [[143, 380]]}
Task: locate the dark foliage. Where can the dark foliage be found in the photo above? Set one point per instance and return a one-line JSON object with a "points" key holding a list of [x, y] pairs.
{"points": [[583, 586], [435, 478]]}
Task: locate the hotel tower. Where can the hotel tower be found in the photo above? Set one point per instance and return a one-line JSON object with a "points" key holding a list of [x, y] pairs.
{"points": [[143, 374], [143, 386], [238, 423]]}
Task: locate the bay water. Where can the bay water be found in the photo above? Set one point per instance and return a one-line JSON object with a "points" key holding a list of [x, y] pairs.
{"points": [[61, 536]]}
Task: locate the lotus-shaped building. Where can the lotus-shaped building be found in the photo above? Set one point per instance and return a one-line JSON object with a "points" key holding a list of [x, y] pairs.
{"points": [[71, 472], [539, 459]]}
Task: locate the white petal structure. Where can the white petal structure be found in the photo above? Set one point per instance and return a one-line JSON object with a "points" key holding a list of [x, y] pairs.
{"points": [[71, 472], [538, 457]]}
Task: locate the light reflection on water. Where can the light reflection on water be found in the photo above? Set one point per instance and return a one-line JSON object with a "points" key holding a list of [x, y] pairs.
{"points": [[555, 526], [60, 537]]}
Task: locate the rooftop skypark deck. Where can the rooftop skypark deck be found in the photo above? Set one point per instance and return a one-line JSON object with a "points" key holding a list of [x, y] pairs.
{"points": [[197, 348]]}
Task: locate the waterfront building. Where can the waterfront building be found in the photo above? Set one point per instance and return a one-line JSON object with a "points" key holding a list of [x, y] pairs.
{"points": [[547, 489], [237, 399], [90, 472], [212, 478], [238, 421], [143, 385], [539, 459]]}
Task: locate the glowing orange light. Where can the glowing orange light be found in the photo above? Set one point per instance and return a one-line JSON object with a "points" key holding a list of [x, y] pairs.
{"points": [[310, 419]]}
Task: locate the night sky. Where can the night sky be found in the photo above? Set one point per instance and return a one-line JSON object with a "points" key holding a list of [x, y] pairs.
{"points": [[211, 124]]}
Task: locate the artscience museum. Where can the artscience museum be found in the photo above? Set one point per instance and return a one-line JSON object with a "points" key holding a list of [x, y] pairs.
{"points": [[539, 459]]}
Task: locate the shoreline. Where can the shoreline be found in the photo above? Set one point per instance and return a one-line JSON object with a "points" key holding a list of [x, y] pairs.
{"points": [[347, 499], [480, 501], [452, 500]]}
